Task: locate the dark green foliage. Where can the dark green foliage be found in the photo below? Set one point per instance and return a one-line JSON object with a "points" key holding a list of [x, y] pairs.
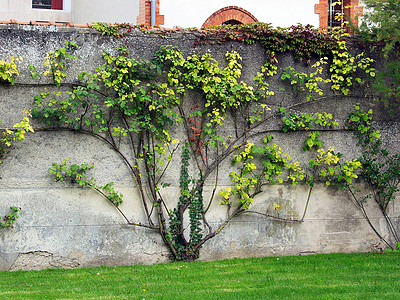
{"points": [[195, 216], [304, 42], [387, 83], [381, 23], [381, 26], [176, 216], [187, 249]]}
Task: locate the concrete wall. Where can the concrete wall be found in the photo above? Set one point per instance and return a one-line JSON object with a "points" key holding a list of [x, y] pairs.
{"points": [[65, 226]]}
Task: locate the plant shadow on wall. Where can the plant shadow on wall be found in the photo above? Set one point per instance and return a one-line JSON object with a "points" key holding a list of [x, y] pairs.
{"points": [[8, 72], [134, 102]]}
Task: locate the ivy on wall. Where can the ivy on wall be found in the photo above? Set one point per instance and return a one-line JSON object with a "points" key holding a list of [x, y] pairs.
{"points": [[8, 73], [7, 138], [304, 42], [9, 219], [129, 101], [138, 101]]}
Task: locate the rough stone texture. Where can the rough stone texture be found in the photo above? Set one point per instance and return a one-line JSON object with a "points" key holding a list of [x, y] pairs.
{"points": [[65, 226], [37, 260]]}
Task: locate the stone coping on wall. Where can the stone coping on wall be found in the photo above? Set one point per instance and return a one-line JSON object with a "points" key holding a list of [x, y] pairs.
{"points": [[87, 25], [60, 25]]}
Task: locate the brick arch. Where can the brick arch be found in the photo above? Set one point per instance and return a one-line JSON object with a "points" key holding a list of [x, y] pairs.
{"points": [[229, 13]]}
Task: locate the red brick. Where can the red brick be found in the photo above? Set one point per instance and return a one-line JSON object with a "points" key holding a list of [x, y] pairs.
{"points": [[229, 13], [81, 25], [323, 7], [145, 13]]}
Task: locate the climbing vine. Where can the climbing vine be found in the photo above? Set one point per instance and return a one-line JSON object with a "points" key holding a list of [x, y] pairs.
{"points": [[9, 219], [117, 29], [78, 174], [8, 73], [305, 42], [7, 138], [140, 109], [56, 62], [380, 169], [17, 133]]}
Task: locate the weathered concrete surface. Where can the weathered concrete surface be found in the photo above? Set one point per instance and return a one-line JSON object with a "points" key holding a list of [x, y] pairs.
{"points": [[65, 226]]}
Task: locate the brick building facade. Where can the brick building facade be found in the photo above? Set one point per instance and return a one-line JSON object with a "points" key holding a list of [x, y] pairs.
{"points": [[326, 11], [183, 13]]}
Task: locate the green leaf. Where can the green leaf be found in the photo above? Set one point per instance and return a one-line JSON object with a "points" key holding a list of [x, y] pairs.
{"points": [[310, 143]]}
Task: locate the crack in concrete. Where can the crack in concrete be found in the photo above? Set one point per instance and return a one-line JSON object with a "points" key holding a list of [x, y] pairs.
{"points": [[37, 260]]}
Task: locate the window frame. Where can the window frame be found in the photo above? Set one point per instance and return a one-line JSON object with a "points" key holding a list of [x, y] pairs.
{"points": [[332, 12], [50, 7]]}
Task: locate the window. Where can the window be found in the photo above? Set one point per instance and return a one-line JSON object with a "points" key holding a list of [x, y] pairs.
{"points": [[232, 22], [335, 13], [349, 9], [48, 4]]}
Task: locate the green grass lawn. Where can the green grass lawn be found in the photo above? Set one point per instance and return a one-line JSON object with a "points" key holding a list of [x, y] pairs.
{"points": [[325, 276]]}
